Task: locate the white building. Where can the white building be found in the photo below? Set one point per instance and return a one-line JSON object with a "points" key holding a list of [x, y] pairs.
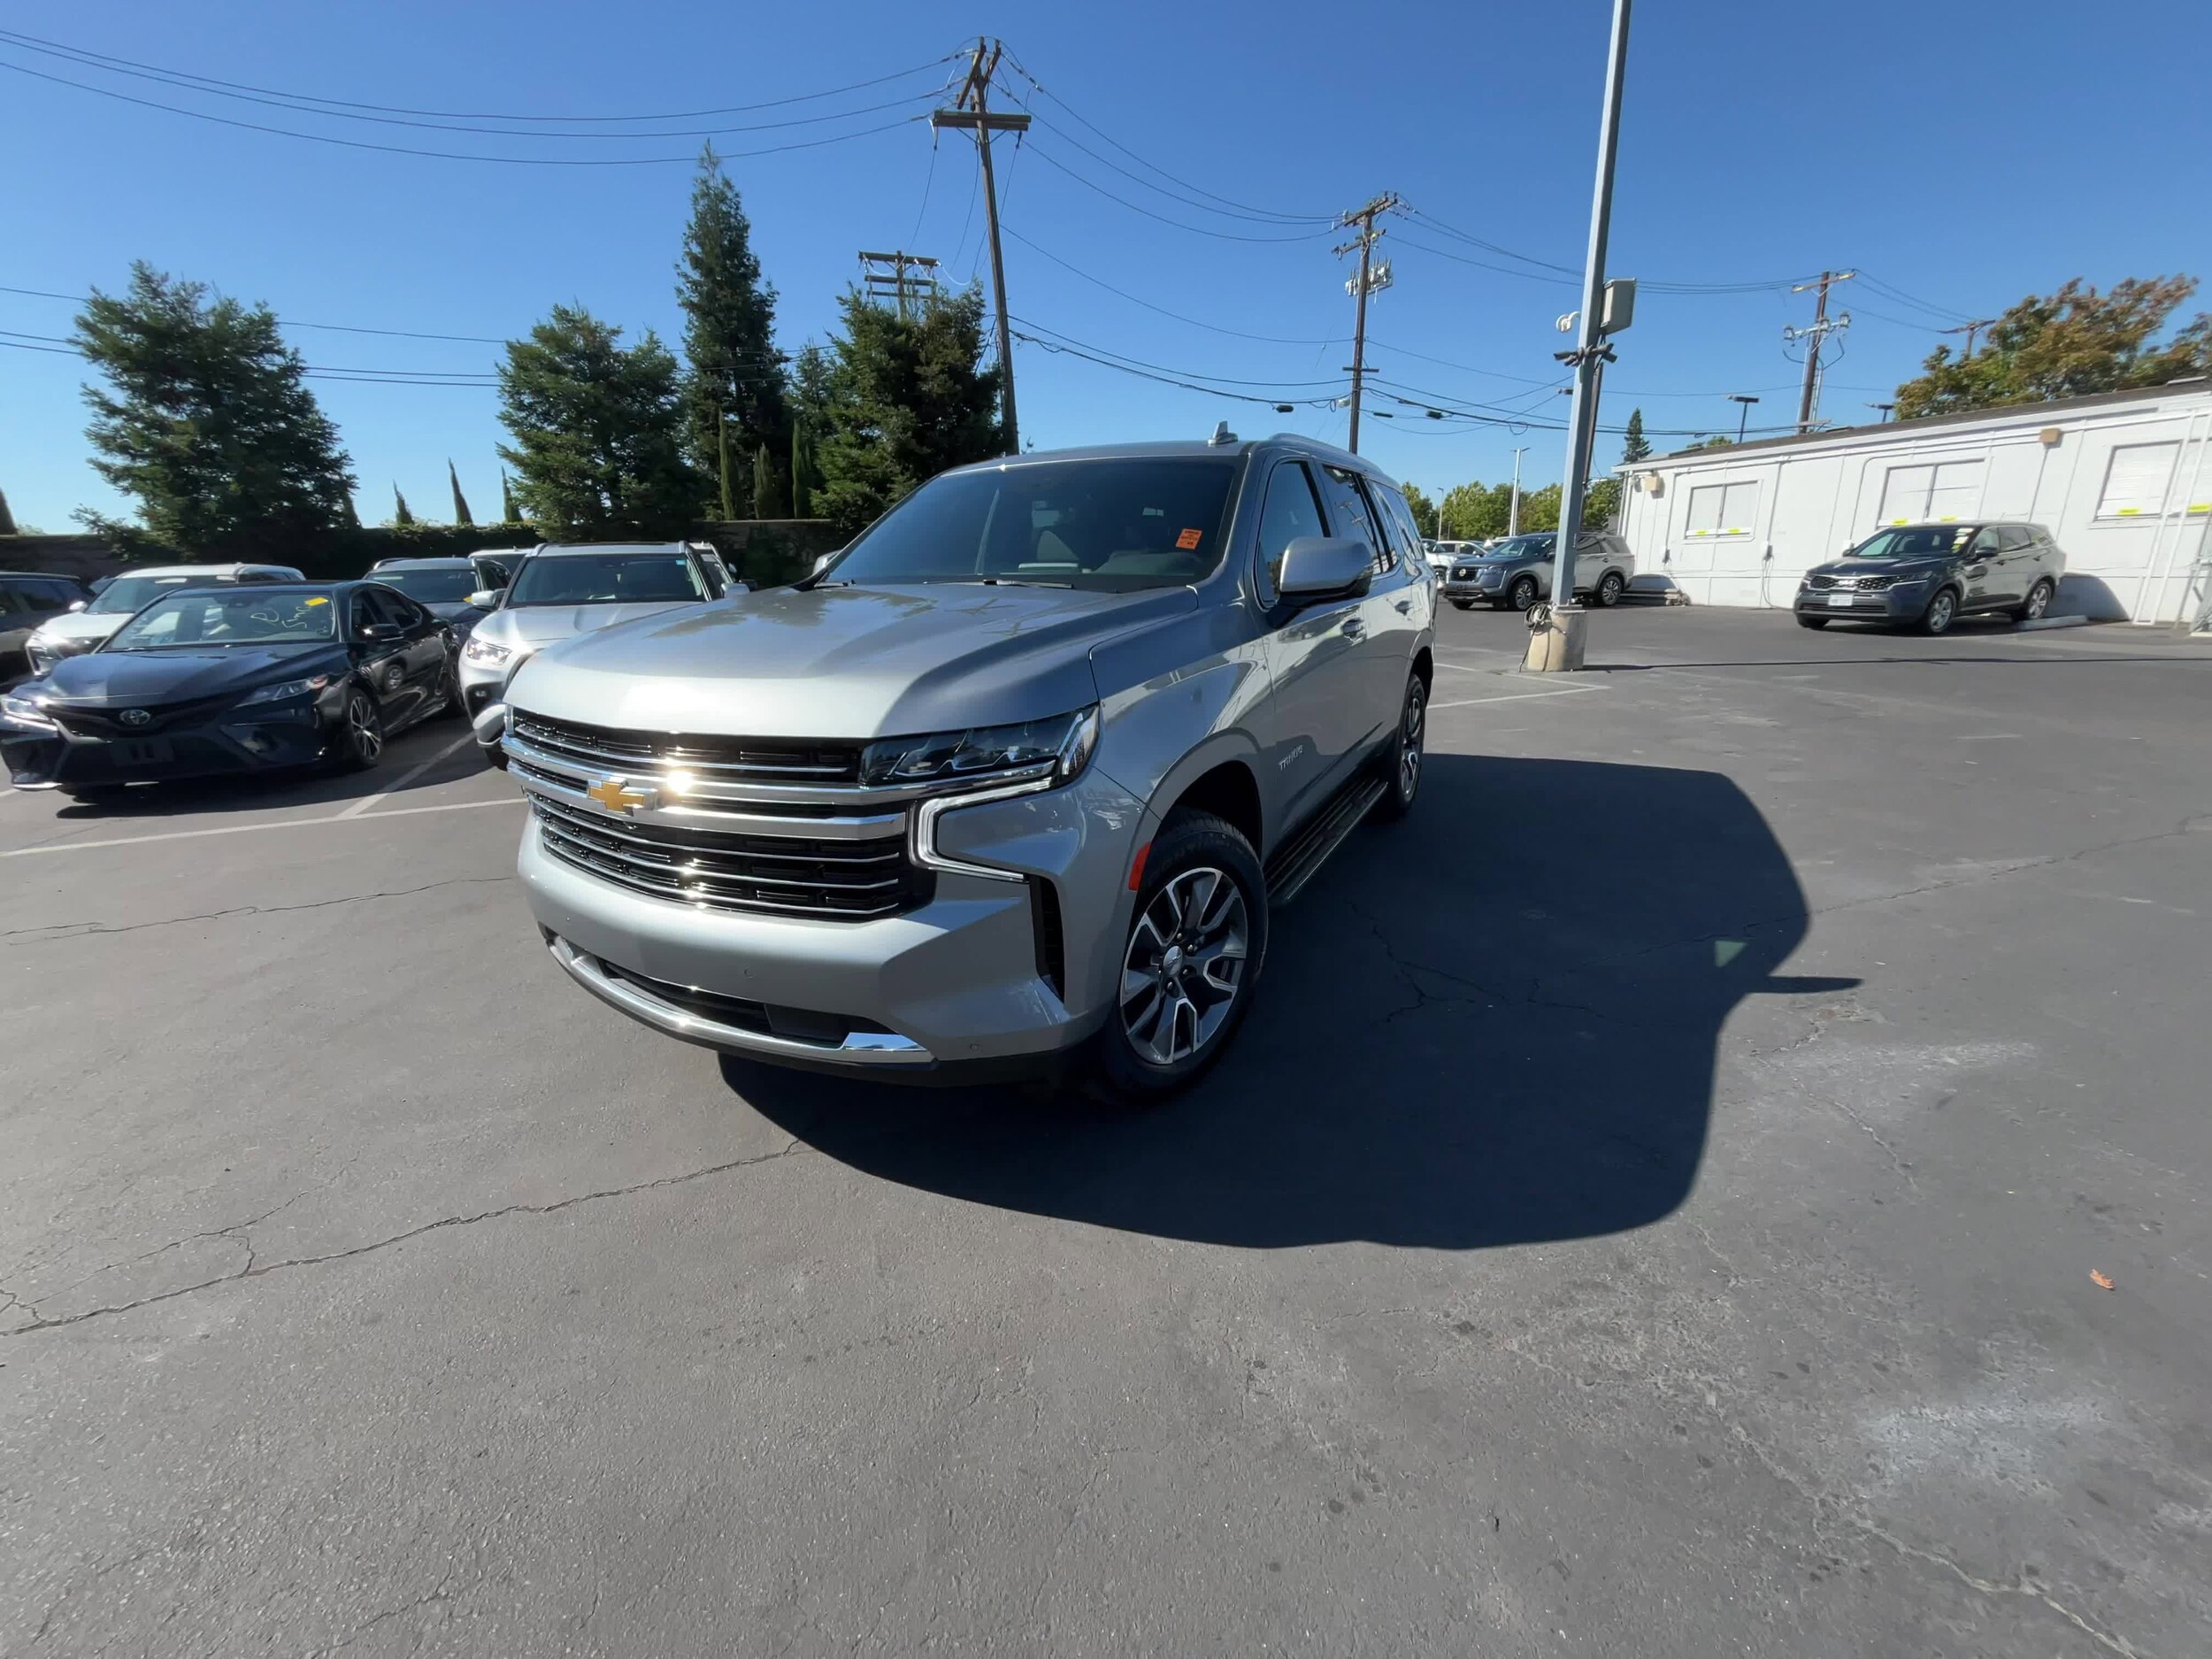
{"points": [[2122, 481]]}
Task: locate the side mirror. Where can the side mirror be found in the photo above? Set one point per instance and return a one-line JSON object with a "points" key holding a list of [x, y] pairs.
{"points": [[821, 565], [485, 598], [1315, 567], [77, 605]]}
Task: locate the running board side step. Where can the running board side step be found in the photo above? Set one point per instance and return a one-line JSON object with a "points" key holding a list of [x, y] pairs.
{"points": [[1298, 860]]}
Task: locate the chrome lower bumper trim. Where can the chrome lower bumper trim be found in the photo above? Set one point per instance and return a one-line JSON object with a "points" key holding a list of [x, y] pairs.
{"points": [[859, 1048]]}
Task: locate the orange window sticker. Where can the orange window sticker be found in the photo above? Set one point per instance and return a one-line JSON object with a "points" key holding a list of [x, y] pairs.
{"points": [[1187, 540]]}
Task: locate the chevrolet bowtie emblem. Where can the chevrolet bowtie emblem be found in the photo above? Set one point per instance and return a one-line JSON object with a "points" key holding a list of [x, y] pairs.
{"points": [[619, 795]]}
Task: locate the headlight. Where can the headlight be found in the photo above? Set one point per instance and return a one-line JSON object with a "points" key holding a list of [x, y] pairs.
{"points": [[284, 690], [480, 649], [28, 711], [1063, 744]]}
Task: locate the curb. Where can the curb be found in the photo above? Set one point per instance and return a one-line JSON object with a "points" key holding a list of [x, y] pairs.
{"points": [[2051, 622]]}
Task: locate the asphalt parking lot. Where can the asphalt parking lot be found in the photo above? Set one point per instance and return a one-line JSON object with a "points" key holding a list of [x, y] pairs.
{"points": [[1652, 1210]]}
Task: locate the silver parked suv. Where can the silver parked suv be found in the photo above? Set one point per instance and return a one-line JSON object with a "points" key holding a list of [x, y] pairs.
{"points": [[1020, 772], [1518, 570]]}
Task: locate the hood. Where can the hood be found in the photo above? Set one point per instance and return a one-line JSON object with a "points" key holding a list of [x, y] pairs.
{"points": [[82, 625], [144, 679], [1879, 567], [459, 612], [538, 625], [844, 662]]}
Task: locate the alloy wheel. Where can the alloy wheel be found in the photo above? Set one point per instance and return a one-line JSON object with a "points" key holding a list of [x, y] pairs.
{"points": [[2039, 601], [1940, 609], [1185, 965], [1409, 741], [1524, 593], [361, 730]]}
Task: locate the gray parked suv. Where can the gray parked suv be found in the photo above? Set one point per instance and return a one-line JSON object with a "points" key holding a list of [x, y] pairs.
{"points": [[1927, 576], [1015, 777], [1519, 572]]}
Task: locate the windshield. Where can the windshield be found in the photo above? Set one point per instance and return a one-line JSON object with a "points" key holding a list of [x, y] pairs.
{"points": [[1520, 546], [1114, 525], [606, 579], [209, 617], [126, 594], [431, 586], [1921, 541]]}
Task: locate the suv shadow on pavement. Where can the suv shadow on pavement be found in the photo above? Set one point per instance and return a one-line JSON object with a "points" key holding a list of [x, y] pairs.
{"points": [[277, 791], [1493, 1024]]}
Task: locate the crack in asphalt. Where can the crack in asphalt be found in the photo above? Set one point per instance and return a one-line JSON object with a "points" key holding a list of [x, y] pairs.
{"points": [[85, 930], [254, 1268]]}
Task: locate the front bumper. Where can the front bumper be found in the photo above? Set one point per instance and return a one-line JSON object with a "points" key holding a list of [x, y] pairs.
{"points": [[963, 983], [231, 740], [1472, 587], [1902, 603], [484, 694], [43, 651]]}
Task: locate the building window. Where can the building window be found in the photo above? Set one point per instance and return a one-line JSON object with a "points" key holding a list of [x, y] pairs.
{"points": [[1942, 492], [1723, 509], [2136, 479]]}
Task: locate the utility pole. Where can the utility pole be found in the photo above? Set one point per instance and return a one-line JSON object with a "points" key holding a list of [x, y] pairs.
{"points": [[1607, 308], [886, 274], [1513, 504], [1815, 338], [1372, 278], [971, 113], [1885, 408], [1743, 419], [1970, 330]]}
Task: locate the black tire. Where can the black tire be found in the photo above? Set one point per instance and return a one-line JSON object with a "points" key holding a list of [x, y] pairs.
{"points": [[2037, 603], [456, 706], [358, 743], [1608, 593], [494, 756], [1402, 758], [1942, 611], [1813, 622], [1463, 604], [1521, 594], [1190, 842]]}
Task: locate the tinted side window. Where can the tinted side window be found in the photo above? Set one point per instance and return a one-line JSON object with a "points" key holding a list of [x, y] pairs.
{"points": [[1984, 542], [1401, 518], [12, 600], [2012, 537], [1291, 510], [1348, 507]]}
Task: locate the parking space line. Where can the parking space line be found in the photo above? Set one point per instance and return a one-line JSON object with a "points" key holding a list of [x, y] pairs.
{"points": [[351, 816], [406, 778], [1515, 696]]}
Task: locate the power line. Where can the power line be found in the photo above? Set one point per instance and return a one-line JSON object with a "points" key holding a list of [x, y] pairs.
{"points": [[1175, 195], [1166, 378], [1890, 291], [1237, 334], [1197, 230], [347, 328], [1107, 351], [337, 376], [452, 155], [84, 54]]}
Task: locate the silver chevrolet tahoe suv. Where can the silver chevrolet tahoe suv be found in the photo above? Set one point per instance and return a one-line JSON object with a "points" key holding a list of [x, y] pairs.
{"points": [[1013, 780]]}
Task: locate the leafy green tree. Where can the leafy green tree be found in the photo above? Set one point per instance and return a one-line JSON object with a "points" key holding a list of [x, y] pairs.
{"points": [[1718, 441], [1540, 508], [1634, 446], [908, 396], [7, 518], [597, 428], [806, 470], [1423, 509], [400, 516], [729, 329], [1599, 504], [206, 421], [508, 512], [767, 485], [2067, 344], [460, 502]]}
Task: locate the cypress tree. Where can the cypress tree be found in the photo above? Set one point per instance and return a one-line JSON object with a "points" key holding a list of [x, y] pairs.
{"points": [[1634, 446], [767, 487], [507, 513], [729, 326], [400, 516], [460, 502], [7, 518]]}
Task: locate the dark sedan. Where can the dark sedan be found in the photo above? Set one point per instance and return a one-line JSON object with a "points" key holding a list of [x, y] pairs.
{"points": [[214, 680]]}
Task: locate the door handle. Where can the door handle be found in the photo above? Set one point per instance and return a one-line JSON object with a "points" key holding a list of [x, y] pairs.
{"points": [[1354, 628], [1404, 607]]}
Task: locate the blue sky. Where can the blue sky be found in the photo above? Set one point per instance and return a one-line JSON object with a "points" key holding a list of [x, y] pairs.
{"points": [[1959, 154]]}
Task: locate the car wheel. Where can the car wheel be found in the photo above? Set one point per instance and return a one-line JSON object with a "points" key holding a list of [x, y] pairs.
{"points": [[1813, 622], [1521, 594], [1942, 611], [1463, 604], [2037, 601], [359, 742], [1608, 590], [1197, 936], [1402, 758], [455, 707]]}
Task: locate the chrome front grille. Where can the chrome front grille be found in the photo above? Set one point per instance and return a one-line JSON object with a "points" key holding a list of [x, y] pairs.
{"points": [[839, 879], [1820, 583], [737, 759]]}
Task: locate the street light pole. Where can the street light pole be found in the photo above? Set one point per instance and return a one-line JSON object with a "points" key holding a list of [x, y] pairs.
{"points": [[1582, 418], [1744, 419], [1513, 509]]}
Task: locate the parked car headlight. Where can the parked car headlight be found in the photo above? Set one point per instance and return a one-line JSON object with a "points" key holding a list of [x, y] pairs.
{"points": [[26, 711], [1063, 743], [480, 649], [284, 690]]}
